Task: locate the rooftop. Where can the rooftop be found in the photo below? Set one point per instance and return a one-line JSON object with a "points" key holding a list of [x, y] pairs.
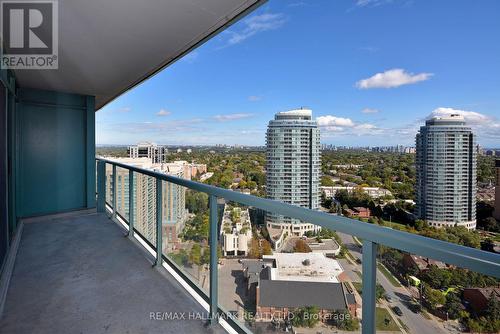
{"points": [[304, 267], [325, 244], [325, 295], [295, 112], [452, 119]]}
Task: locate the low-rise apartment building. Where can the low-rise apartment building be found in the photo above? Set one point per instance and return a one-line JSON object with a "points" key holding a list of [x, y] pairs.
{"points": [[373, 192], [235, 232]]}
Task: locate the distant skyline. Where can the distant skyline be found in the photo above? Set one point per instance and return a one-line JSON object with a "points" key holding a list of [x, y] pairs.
{"points": [[371, 71]]}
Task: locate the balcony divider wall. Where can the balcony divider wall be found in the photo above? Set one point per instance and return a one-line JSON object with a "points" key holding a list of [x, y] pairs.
{"points": [[47, 151], [55, 152]]}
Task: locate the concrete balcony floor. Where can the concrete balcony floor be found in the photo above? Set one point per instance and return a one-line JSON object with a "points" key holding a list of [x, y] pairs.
{"points": [[78, 274]]}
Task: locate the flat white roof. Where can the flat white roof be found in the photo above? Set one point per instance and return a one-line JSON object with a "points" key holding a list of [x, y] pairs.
{"points": [[294, 267], [297, 112], [146, 163]]}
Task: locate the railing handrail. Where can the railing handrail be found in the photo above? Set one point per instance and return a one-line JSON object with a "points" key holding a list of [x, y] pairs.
{"points": [[474, 259]]}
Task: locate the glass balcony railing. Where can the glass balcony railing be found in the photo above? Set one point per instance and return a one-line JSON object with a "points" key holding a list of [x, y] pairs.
{"points": [[215, 241]]}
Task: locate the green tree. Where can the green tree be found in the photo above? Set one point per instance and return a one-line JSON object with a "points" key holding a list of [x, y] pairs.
{"points": [[493, 308], [437, 278], [196, 202], [255, 251], [433, 297], [307, 316], [327, 181], [343, 320], [301, 247], [453, 305], [266, 248], [195, 254]]}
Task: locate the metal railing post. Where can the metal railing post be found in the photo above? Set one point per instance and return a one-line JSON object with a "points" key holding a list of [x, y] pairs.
{"points": [[214, 312], [131, 204], [101, 186], [114, 191], [159, 204], [369, 286]]}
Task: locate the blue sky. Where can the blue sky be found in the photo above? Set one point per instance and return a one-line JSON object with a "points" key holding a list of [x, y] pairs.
{"points": [[371, 71]]}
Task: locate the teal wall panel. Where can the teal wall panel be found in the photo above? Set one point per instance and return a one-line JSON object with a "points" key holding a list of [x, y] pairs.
{"points": [[55, 153]]}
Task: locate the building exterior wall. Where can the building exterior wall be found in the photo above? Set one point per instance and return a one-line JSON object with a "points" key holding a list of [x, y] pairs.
{"points": [[374, 192], [235, 235], [445, 187], [476, 298], [174, 212], [293, 165], [156, 153]]}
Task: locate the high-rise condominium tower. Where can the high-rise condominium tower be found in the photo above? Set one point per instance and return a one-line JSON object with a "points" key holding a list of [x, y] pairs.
{"points": [[445, 186], [293, 166], [156, 153], [496, 214]]}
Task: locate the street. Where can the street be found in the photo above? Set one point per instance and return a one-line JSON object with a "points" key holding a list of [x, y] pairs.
{"points": [[400, 297]]}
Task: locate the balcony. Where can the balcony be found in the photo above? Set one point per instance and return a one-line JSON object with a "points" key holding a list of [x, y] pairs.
{"points": [[77, 273], [214, 295]]}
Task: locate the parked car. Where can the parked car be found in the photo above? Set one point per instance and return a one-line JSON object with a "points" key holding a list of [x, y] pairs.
{"points": [[388, 298], [415, 308], [397, 310]]}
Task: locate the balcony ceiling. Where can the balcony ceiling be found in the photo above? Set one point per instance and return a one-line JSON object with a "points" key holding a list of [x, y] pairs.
{"points": [[108, 47]]}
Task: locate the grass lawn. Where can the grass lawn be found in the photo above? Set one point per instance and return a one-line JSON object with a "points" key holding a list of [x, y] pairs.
{"points": [[358, 286], [394, 224], [384, 321], [402, 324], [388, 275], [359, 274]]}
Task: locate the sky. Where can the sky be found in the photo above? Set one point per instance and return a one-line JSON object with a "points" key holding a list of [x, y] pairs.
{"points": [[371, 71]]}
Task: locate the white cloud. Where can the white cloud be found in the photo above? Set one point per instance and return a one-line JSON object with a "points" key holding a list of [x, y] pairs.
{"points": [[371, 3], [365, 126], [332, 126], [297, 4], [376, 3], [369, 49], [231, 117], [483, 125], [471, 117], [392, 78], [256, 24], [191, 57], [153, 128], [254, 98], [163, 112], [370, 111], [333, 121], [124, 109]]}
